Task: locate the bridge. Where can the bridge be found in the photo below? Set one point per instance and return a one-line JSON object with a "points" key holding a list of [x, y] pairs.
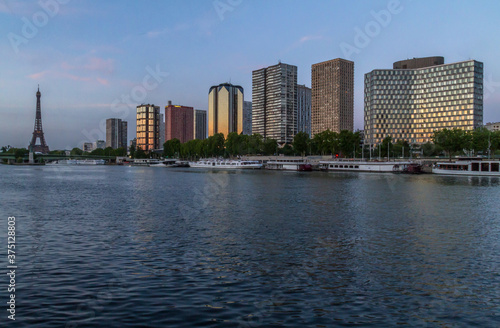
{"points": [[48, 157]]}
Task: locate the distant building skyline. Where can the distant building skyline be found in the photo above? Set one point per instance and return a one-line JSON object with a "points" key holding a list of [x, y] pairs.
{"points": [[492, 126], [89, 74], [225, 109], [274, 102], [332, 84]]}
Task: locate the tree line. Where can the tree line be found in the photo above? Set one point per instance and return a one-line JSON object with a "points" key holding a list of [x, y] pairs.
{"points": [[346, 144], [343, 144], [480, 141]]}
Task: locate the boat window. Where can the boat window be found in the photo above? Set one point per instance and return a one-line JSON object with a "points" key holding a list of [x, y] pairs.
{"points": [[495, 167], [475, 167], [336, 166], [485, 167], [351, 167], [356, 167]]}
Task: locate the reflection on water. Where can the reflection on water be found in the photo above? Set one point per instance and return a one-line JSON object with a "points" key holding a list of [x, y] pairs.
{"points": [[128, 246]]}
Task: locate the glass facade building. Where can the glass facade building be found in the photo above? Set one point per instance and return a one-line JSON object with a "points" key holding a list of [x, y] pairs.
{"points": [[274, 102], [200, 124], [116, 133], [304, 109], [148, 127], [410, 104], [225, 109], [247, 117]]}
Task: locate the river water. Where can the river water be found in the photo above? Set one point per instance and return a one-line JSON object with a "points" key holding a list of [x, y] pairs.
{"points": [[117, 246]]}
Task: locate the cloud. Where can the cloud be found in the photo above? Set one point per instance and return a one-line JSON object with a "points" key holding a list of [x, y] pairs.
{"points": [[310, 38], [102, 81], [303, 40], [159, 32], [67, 76], [100, 65], [156, 33], [39, 75]]}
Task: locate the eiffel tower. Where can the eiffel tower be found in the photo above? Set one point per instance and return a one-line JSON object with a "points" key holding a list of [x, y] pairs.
{"points": [[38, 132]]}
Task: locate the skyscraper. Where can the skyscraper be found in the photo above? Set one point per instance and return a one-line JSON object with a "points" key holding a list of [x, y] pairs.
{"points": [[148, 127], [116, 133], [179, 122], [225, 109], [162, 130], [247, 117], [303, 109], [200, 124], [411, 103], [274, 102], [332, 96]]}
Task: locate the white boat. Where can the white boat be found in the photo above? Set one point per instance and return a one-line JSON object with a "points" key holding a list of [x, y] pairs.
{"points": [[144, 162], [78, 162], [226, 164], [288, 165], [363, 166], [165, 163], [468, 167]]}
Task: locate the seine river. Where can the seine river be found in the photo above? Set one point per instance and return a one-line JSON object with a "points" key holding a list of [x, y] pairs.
{"points": [[118, 246]]}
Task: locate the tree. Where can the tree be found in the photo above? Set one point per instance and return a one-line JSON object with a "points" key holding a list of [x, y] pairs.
{"points": [[495, 141], [76, 151], [286, 150], [348, 142], [132, 151], [20, 152], [270, 146], [451, 140], [172, 147], [120, 152], [109, 151], [255, 144], [326, 142], [139, 153], [232, 144], [97, 152], [215, 145], [401, 148], [480, 140], [301, 143]]}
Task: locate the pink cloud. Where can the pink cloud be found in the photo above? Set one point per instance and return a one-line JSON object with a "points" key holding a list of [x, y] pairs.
{"points": [[103, 81], [38, 75], [100, 64]]}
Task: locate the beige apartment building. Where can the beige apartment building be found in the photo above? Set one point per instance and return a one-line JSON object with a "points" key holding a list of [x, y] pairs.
{"points": [[332, 106]]}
